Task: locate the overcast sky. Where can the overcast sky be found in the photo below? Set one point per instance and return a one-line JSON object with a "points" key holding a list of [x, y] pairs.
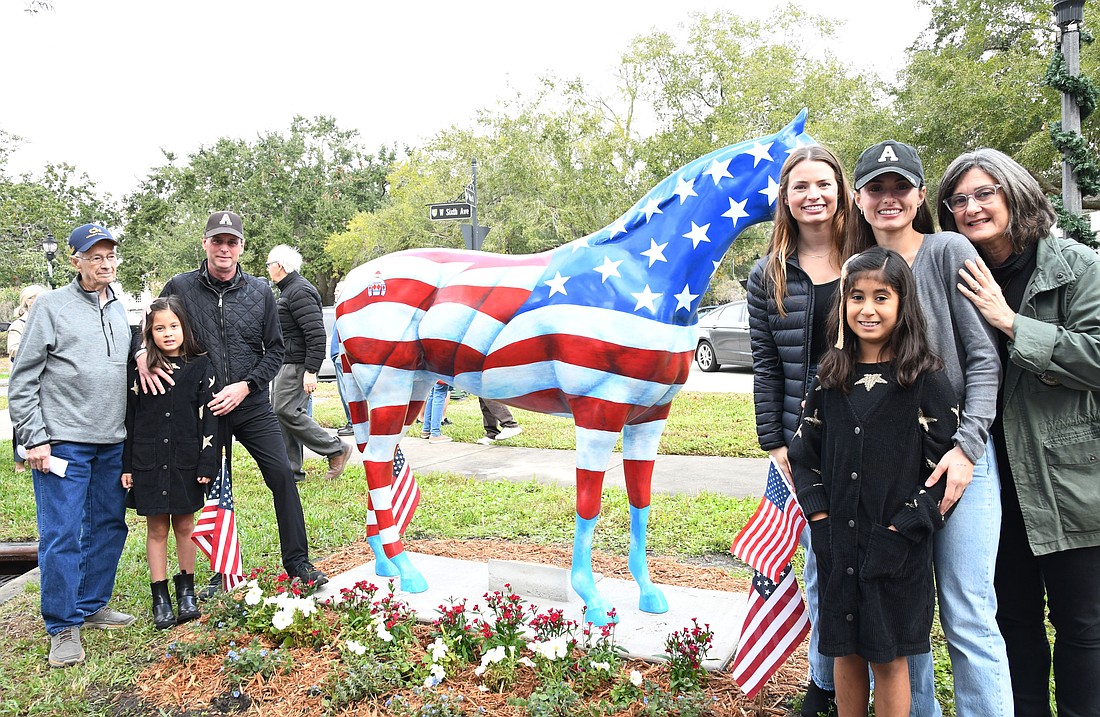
{"points": [[105, 84]]}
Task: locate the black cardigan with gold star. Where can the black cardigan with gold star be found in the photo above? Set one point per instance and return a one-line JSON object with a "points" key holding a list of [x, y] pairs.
{"points": [[863, 457], [171, 440]]}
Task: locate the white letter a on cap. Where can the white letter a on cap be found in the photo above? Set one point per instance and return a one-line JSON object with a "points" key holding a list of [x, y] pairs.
{"points": [[227, 221], [886, 156]]}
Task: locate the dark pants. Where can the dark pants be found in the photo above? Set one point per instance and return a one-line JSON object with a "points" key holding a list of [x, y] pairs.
{"points": [[255, 427], [494, 413], [1070, 582]]}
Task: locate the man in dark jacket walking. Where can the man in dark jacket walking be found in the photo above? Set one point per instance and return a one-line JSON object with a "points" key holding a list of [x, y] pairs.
{"points": [[304, 340], [233, 315]]}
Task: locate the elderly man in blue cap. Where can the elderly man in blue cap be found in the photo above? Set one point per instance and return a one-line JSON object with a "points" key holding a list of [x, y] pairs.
{"points": [[67, 399]]}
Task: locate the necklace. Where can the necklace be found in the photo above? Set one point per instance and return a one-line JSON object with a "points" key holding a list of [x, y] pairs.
{"points": [[813, 256]]}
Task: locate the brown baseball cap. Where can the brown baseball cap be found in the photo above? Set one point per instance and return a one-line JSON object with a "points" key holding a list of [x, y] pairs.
{"points": [[224, 222]]}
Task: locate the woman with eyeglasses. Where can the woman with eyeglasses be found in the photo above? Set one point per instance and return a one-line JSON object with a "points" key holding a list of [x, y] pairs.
{"points": [[1042, 294], [892, 213]]}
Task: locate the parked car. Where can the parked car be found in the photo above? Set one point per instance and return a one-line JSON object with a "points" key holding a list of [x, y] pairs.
{"points": [[724, 337], [327, 372]]}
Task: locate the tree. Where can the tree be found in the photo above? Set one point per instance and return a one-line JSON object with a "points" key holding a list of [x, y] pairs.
{"points": [[31, 207], [975, 79], [295, 188]]}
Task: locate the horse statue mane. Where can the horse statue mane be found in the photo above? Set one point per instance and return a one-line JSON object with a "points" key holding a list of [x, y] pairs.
{"points": [[602, 329]]}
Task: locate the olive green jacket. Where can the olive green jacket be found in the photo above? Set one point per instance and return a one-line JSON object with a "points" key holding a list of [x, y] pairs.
{"points": [[1051, 405]]}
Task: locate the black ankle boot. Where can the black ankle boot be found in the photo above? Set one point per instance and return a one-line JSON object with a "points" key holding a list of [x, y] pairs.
{"points": [[163, 617], [185, 596]]}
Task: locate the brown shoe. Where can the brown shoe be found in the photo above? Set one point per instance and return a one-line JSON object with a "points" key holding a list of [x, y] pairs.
{"points": [[337, 462]]}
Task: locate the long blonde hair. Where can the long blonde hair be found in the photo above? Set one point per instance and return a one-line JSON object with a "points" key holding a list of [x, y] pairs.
{"points": [[784, 239], [26, 296]]}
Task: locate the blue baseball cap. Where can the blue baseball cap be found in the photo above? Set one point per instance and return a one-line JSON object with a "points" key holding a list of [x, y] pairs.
{"points": [[85, 237]]}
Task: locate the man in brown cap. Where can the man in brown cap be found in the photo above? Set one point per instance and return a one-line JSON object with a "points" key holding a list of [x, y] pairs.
{"points": [[235, 318]]}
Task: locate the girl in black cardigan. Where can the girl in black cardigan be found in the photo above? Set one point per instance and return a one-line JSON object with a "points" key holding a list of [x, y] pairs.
{"points": [[878, 416], [170, 453]]}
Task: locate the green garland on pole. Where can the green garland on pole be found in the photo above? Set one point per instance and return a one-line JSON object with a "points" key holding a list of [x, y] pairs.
{"points": [[1073, 146]]}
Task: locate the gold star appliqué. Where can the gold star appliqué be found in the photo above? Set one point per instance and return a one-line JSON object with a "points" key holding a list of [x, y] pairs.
{"points": [[871, 380], [201, 408], [207, 442], [211, 382], [813, 420], [958, 418], [134, 388], [925, 421]]}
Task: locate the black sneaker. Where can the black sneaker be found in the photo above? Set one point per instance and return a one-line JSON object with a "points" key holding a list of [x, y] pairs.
{"points": [[212, 588], [305, 572], [818, 702], [347, 430]]}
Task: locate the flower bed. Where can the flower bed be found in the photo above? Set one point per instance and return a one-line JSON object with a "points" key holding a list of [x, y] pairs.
{"points": [[271, 647]]}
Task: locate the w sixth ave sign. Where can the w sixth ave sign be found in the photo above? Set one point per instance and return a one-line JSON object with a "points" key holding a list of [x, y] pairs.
{"points": [[449, 210]]}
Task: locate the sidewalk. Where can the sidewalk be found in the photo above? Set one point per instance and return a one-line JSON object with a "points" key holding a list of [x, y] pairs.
{"points": [[737, 477]]}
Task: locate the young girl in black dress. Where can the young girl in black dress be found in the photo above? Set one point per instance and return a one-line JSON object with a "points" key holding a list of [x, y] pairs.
{"points": [[170, 453], [878, 417]]}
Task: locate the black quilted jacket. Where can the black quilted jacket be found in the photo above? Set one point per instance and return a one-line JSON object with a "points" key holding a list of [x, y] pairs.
{"points": [[236, 322], [780, 349], [302, 322]]}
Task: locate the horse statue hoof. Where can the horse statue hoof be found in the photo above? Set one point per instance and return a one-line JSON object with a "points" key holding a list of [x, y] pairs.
{"points": [[411, 579], [383, 566], [653, 601]]}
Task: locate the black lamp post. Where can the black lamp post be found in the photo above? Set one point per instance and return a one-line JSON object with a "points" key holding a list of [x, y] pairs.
{"points": [[49, 248]]}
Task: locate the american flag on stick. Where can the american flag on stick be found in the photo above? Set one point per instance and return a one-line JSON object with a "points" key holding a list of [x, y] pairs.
{"points": [[770, 537], [774, 626], [216, 531], [406, 494]]}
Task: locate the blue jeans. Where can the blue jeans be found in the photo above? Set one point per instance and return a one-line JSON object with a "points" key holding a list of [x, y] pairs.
{"points": [[81, 532], [433, 408], [965, 559]]}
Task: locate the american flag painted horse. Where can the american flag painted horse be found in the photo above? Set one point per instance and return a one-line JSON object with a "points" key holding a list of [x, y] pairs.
{"points": [[602, 329]]}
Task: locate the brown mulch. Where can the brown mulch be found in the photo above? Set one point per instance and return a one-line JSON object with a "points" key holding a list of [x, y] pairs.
{"points": [[168, 687]]}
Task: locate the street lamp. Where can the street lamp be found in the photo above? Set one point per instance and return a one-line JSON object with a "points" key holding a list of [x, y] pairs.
{"points": [[49, 248]]}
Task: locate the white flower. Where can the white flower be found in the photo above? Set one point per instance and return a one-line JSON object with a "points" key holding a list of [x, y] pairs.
{"points": [[479, 671], [605, 666], [383, 634], [438, 673], [492, 656], [431, 681], [559, 647], [437, 649], [636, 678], [254, 596], [356, 648], [527, 661], [483, 688], [282, 619]]}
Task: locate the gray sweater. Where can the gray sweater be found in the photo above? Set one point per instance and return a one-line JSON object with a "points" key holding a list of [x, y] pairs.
{"points": [[959, 335], [69, 382]]}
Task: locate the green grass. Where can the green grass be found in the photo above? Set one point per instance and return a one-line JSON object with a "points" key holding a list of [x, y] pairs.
{"points": [[452, 507], [700, 424]]}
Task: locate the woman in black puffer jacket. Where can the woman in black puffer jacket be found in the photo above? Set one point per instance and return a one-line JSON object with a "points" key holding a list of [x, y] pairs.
{"points": [[790, 292]]}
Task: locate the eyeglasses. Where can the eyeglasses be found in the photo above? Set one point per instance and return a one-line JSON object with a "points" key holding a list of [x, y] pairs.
{"points": [[98, 259], [272, 263], [982, 195]]}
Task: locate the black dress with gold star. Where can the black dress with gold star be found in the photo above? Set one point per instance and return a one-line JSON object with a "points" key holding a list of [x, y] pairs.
{"points": [[863, 457], [171, 440]]}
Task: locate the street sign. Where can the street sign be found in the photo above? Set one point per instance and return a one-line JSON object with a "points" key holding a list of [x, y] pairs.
{"points": [[471, 193], [449, 210]]}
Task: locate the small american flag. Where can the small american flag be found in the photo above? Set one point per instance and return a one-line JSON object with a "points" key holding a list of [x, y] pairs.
{"points": [[770, 537], [216, 531], [774, 626], [406, 493]]}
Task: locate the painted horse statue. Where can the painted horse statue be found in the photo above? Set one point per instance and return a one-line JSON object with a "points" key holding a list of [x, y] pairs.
{"points": [[602, 329]]}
